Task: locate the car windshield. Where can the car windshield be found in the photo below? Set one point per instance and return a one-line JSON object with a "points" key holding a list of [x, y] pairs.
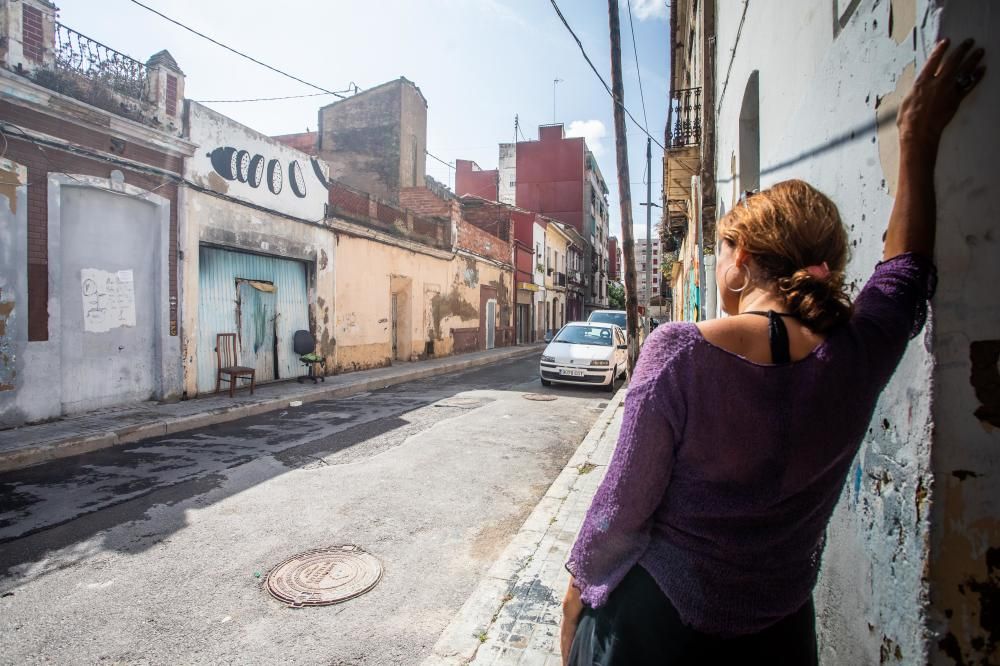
{"points": [[617, 318], [585, 335]]}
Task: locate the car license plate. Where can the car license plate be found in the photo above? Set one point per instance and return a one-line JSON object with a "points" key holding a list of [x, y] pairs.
{"points": [[572, 372]]}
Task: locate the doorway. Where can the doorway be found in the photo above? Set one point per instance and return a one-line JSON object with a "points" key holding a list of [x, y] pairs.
{"points": [[395, 325], [491, 323]]}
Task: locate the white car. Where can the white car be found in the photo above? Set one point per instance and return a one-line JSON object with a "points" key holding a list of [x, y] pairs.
{"points": [[585, 353]]}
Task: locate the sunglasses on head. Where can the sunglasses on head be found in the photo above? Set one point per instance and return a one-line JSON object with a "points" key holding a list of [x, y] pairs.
{"points": [[746, 195]]}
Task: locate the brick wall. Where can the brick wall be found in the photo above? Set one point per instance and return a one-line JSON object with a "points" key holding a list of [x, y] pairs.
{"points": [[422, 201], [492, 218], [477, 241], [32, 40], [363, 208], [307, 142], [42, 161]]}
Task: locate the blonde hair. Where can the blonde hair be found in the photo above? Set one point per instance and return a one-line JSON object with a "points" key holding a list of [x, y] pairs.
{"points": [[787, 229]]}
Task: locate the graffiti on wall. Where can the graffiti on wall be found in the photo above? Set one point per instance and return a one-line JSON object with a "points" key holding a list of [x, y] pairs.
{"points": [[108, 299], [239, 165]]}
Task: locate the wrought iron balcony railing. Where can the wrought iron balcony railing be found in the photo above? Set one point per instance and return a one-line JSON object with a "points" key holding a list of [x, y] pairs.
{"points": [[89, 58], [684, 117]]}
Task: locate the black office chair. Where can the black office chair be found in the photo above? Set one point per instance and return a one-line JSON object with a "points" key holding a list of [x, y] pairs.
{"points": [[304, 344]]}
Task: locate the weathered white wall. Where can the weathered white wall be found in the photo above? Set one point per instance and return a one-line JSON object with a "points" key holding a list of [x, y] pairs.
{"points": [[508, 173], [217, 222], [827, 71], [283, 225], [16, 405], [224, 144], [964, 569]]}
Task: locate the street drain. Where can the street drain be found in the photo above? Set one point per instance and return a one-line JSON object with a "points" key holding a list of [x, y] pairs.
{"points": [[324, 576], [541, 397], [458, 402]]}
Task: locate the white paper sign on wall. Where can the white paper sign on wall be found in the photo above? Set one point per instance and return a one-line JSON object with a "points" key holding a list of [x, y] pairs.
{"points": [[108, 299]]}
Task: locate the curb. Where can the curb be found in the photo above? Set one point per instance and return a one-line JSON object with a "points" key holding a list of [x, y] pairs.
{"points": [[85, 443], [475, 633]]}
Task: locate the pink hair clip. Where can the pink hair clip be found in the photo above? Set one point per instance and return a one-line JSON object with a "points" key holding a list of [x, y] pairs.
{"points": [[820, 271]]}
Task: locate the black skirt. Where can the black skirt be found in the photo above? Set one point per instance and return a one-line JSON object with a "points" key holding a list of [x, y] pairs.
{"points": [[639, 625]]}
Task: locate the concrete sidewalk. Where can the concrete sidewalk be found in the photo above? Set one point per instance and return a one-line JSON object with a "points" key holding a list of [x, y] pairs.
{"points": [[33, 444], [513, 615]]}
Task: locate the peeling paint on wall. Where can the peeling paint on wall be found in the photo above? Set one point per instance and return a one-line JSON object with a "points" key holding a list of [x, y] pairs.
{"points": [[888, 136], [8, 369], [471, 272], [9, 182], [902, 19], [451, 304]]}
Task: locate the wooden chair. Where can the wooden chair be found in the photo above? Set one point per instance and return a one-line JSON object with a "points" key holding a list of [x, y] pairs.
{"points": [[227, 368]]}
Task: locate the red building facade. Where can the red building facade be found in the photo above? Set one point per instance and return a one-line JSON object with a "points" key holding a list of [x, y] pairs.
{"points": [[470, 179], [550, 176]]}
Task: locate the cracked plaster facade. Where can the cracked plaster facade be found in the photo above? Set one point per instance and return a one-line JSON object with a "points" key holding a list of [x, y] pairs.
{"points": [[911, 572]]}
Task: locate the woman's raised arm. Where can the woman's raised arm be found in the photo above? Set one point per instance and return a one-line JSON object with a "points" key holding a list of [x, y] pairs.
{"points": [[926, 110]]}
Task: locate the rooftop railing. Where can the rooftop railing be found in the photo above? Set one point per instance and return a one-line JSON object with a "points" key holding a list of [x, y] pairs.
{"points": [[87, 57]]}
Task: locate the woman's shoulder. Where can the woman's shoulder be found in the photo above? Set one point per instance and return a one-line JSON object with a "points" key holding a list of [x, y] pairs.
{"points": [[671, 343]]}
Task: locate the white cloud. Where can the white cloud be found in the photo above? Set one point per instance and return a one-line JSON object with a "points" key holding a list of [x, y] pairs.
{"points": [[649, 9], [591, 130]]}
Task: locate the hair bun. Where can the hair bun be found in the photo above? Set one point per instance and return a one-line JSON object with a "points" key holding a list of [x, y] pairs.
{"points": [[819, 301]]}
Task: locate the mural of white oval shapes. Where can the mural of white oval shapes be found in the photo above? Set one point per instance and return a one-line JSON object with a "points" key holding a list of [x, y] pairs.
{"points": [[224, 161], [275, 177], [296, 179], [256, 172], [242, 166]]}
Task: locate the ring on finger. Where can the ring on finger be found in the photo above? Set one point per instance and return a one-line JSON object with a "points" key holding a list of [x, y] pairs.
{"points": [[965, 81]]}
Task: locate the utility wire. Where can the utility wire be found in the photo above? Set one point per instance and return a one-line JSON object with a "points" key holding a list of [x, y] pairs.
{"points": [[270, 99], [635, 52], [450, 166], [601, 78], [239, 53]]}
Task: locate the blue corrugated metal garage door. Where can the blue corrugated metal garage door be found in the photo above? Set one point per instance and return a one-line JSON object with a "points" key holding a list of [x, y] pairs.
{"points": [[264, 300]]}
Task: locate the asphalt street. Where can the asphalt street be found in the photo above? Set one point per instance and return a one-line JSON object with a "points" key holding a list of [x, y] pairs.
{"points": [[156, 552]]}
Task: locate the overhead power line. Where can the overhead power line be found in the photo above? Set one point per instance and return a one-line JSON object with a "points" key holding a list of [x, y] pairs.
{"points": [[239, 53], [601, 78], [447, 164], [635, 52], [265, 99]]}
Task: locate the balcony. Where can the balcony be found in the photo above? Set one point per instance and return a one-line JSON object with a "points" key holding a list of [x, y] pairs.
{"points": [[560, 280], [89, 59], [684, 118], [683, 156], [69, 63]]}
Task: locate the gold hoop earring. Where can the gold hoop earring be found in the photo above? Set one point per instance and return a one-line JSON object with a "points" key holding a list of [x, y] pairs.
{"points": [[746, 281]]}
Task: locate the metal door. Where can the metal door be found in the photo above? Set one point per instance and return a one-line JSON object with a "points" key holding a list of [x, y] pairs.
{"points": [[257, 328], [491, 323], [220, 274], [395, 325]]}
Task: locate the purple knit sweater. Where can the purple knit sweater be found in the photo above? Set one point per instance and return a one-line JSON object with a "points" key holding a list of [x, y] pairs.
{"points": [[727, 471]]}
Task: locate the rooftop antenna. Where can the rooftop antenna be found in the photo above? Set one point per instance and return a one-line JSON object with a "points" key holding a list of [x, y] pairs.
{"points": [[554, 82]]}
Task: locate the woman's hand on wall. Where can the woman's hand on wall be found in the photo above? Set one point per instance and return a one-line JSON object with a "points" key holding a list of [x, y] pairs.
{"points": [[923, 114], [937, 93]]}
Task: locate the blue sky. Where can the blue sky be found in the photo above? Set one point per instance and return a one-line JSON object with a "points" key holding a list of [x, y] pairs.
{"points": [[478, 63]]}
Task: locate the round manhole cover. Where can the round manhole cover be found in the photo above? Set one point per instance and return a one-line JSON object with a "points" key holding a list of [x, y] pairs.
{"points": [[324, 576], [541, 397], [458, 402]]}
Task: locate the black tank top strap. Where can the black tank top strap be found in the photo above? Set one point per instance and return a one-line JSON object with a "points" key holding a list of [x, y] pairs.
{"points": [[777, 334]]}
